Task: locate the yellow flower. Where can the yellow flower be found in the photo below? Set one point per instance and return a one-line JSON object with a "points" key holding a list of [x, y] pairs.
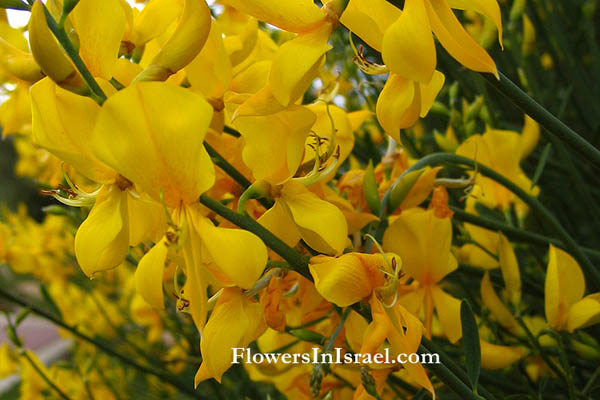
{"points": [[565, 306], [152, 133], [235, 322], [353, 277], [423, 242], [502, 151]]}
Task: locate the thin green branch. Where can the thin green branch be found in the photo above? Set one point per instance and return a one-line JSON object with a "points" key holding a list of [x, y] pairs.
{"points": [[44, 376], [298, 262], [513, 232], [554, 126]]}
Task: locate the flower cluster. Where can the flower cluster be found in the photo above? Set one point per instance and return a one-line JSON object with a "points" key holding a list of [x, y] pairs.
{"points": [[209, 162]]}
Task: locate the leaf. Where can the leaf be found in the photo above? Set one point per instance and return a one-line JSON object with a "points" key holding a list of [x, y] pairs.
{"points": [[470, 343], [541, 164], [49, 300]]}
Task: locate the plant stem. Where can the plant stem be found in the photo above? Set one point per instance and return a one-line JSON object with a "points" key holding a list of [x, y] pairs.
{"points": [[450, 379], [44, 377], [511, 231], [65, 42], [171, 380], [555, 126]]}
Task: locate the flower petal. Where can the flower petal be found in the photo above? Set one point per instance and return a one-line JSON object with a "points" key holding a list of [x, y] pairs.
{"points": [[234, 322], [149, 274], [321, 224], [240, 254], [456, 40], [398, 105], [565, 285], [584, 313], [285, 137], [100, 27], [448, 312], [152, 133], [289, 15], [510, 269], [102, 240], [369, 19], [495, 357], [423, 242], [297, 62], [408, 48], [347, 279]]}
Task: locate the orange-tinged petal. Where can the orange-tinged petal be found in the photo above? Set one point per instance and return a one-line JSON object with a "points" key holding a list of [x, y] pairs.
{"points": [[321, 224], [408, 48], [297, 62], [423, 242], [347, 279], [285, 137], [234, 323], [398, 105], [565, 285], [102, 240], [369, 19], [584, 313], [456, 40], [239, 254], [289, 15], [100, 27], [149, 274], [494, 357], [355, 331], [152, 133], [510, 270], [448, 312]]}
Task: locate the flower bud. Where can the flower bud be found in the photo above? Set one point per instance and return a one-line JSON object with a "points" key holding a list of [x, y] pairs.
{"points": [[49, 55]]}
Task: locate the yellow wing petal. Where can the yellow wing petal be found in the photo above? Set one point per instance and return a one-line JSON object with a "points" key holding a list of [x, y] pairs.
{"points": [[398, 105], [234, 322], [102, 240], [584, 313], [149, 275], [510, 269]]}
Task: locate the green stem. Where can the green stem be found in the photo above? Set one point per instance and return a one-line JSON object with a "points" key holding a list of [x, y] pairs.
{"points": [[44, 377], [590, 383], [441, 158], [511, 231], [427, 346], [65, 42], [555, 126], [105, 348], [450, 379], [298, 262]]}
